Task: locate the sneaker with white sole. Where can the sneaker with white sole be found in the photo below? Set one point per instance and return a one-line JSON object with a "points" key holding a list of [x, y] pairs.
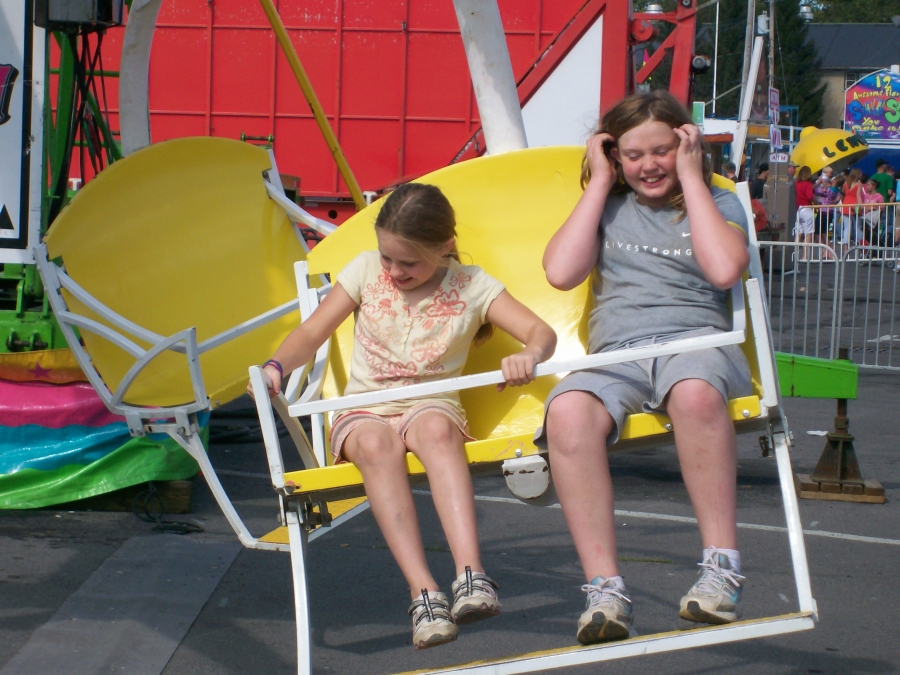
{"points": [[474, 597], [432, 622], [608, 615], [714, 598]]}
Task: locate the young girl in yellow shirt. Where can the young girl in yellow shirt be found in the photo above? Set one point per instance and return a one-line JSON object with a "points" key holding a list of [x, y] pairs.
{"points": [[418, 311]]}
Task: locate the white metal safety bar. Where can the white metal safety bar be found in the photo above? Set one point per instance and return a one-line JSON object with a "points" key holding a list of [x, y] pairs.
{"points": [[736, 336], [638, 646], [179, 422]]}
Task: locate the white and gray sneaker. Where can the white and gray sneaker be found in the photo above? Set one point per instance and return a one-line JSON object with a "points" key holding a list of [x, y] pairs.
{"points": [[474, 597], [714, 597], [432, 623], [608, 615]]}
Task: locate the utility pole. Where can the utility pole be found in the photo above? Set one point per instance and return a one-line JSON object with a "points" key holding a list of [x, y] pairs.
{"points": [[746, 87], [748, 41], [771, 47], [715, 61]]}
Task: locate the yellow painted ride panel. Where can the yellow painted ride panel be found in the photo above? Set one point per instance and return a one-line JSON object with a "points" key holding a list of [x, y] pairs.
{"points": [[336, 508], [181, 234], [499, 449], [507, 208]]}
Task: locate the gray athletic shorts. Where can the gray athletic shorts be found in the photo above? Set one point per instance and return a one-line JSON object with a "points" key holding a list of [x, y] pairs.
{"points": [[642, 386]]}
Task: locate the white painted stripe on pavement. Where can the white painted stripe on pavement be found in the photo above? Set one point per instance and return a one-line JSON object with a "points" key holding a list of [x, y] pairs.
{"points": [[686, 519]]}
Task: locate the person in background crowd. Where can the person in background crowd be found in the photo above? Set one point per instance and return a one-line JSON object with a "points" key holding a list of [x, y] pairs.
{"points": [[730, 171], [871, 215], [758, 184], [828, 193], [792, 196], [851, 232], [885, 186], [884, 183], [823, 196], [805, 218]]}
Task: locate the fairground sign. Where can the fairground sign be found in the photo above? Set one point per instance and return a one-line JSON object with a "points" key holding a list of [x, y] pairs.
{"points": [[21, 132], [872, 107]]}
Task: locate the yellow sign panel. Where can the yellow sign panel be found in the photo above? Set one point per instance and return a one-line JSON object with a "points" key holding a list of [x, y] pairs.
{"points": [[836, 148]]}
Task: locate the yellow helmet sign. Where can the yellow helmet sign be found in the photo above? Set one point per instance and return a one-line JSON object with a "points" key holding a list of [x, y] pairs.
{"points": [[837, 148]]}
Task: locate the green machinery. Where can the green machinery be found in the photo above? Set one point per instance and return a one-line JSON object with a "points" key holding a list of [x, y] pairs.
{"points": [[73, 118]]}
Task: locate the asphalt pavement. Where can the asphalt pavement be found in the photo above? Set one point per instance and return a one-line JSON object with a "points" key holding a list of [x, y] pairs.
{"points": [[358, 597]]}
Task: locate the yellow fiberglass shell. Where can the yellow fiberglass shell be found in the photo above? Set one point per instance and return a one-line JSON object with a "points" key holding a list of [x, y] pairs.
{"points": [[507, 208], [182, 234], [837, 148]]}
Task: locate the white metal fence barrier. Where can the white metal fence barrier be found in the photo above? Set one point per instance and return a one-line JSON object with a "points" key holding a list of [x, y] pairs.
{"points": [[821, 298], [841, 226]]}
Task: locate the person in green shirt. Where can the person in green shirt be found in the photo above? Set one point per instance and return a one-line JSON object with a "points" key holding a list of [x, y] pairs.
{"points": [[884, 180]]}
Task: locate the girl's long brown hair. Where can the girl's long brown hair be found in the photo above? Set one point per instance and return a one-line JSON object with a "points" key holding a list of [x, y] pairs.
{"points": [[634, 110], [421, 215]]}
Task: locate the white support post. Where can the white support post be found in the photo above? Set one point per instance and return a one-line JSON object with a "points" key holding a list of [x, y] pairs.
{"points": [[134, 69], [492, 75], [792, 516], [298, 540], [740, 137], [194, 446]]}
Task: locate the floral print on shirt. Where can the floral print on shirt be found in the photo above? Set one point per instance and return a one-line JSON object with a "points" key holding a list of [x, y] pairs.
{"points": [[397, 345]]}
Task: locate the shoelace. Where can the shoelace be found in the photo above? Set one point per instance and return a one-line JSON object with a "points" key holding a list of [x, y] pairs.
{"points": [[596, 594], [483, 583], [426, 609], [714, 577]]}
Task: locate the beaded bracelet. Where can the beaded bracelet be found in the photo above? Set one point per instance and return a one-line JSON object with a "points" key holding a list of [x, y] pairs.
{"points": [[276, 365]]}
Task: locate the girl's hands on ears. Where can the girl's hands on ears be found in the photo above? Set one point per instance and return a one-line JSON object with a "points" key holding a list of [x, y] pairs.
{"points": [[518, 369], [689, 157], [601, 164], [272, 378]]}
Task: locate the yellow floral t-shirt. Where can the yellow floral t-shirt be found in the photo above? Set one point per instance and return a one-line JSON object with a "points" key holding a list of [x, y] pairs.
{"points": [[395, 346]]}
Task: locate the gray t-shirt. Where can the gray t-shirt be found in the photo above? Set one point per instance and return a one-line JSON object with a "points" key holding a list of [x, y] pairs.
{"points": [[647, 281]]}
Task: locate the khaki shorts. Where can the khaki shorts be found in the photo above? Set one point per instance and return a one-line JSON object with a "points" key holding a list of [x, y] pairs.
{"points": [[642, 386], [350, 420]]}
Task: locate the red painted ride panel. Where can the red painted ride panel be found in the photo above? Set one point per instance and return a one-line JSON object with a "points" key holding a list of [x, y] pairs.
{"points": [[391, 76]]}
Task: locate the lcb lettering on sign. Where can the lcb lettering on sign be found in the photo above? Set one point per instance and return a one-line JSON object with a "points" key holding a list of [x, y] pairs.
{"points": [[843, 145]]}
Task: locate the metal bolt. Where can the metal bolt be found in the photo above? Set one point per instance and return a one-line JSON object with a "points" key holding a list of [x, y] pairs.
{"points": [[745, 413], [518, 452], [669, 427]]}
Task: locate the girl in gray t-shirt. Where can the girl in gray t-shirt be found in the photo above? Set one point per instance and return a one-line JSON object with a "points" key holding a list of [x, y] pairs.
{"points": [[662, 248]]}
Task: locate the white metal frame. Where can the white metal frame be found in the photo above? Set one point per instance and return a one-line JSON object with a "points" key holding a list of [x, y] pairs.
{"points": [[178, 421], [771, 415]]}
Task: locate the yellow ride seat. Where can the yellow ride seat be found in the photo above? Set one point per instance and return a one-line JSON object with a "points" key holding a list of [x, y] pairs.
{"points": [[507, 208], [181, 234]]}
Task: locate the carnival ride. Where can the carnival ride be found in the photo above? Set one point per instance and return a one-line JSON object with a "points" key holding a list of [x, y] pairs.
{"points": [[169, 330]]}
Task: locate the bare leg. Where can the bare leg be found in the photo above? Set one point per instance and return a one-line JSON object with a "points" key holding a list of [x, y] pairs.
{"points": [[379, 453], [707, 450], [577, 427], [435, 439]]}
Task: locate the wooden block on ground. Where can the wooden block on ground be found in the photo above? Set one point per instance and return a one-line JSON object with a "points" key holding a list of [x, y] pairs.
{"points": [[848, 489], [832, 488], [804, 482], [177, 498], [873, 487], [840, 497]]}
